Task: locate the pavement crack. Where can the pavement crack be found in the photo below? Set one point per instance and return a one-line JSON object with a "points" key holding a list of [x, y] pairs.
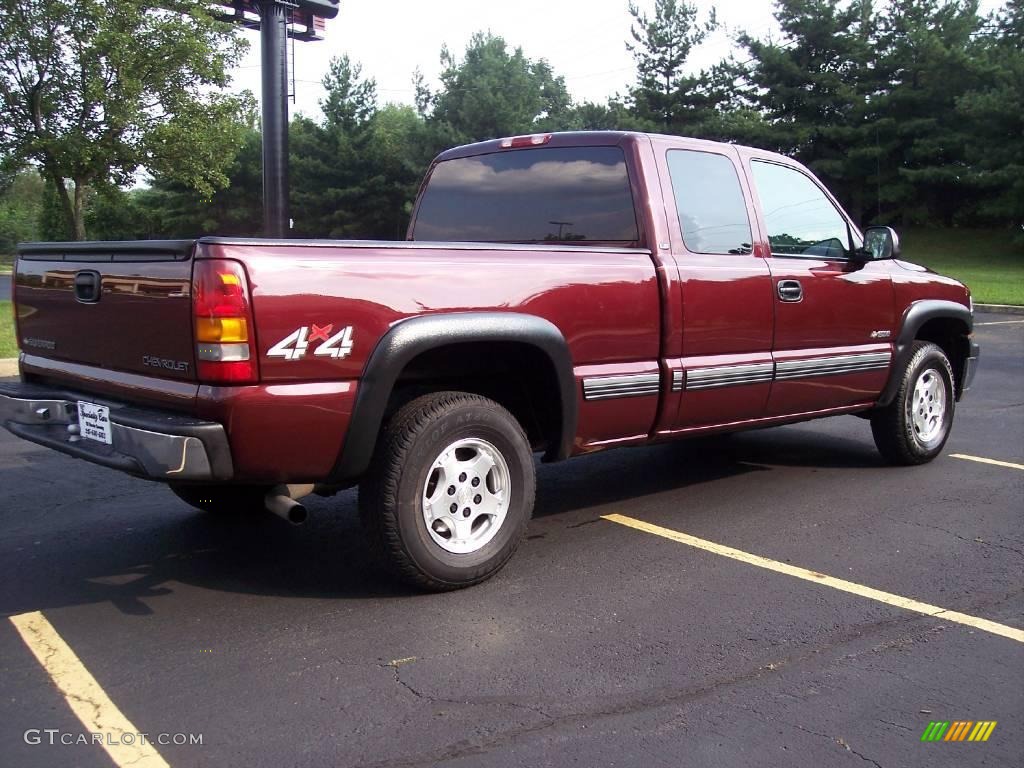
{"points": [[894, 725], [838, 740], [395, 667], [864, 757], [968, 539]]}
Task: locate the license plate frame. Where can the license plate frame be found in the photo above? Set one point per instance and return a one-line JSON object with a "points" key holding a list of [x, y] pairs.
{"points": [[94, 422]]}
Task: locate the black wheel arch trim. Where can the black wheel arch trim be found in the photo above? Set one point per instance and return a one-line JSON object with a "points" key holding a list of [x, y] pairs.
{"points": [[412, 337], [916, 315]]}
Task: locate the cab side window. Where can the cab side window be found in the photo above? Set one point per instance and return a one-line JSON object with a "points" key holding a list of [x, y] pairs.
{"points": [[709, 202], [801, 220]]}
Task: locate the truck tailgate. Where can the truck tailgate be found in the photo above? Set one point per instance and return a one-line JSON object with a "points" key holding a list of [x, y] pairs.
{"points": [[120, 306]]}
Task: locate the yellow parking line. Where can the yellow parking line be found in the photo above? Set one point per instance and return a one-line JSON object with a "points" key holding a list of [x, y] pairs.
{"points": [[820, 578], [84, 695], [982, 460]]}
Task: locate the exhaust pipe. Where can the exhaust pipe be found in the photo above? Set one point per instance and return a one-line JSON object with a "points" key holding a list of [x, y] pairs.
{"points": [[281, 500]]}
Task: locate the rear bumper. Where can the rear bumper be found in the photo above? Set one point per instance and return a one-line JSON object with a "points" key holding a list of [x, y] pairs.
{"points": [[145, 442]]}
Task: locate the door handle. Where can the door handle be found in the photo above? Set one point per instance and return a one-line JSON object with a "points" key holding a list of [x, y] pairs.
{"points": [[790, 290]]}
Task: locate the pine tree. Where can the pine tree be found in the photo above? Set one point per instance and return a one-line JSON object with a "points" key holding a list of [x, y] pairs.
{"points": [[813, 89], [665, 96], [928, 64], [993, 113]]}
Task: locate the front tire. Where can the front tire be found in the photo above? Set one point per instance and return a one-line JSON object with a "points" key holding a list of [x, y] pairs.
{"points": [[914, 428], [450, 490]]}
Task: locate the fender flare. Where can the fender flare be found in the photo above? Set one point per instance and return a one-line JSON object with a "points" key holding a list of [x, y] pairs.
{"points": [[916, 315], [416, 335]]}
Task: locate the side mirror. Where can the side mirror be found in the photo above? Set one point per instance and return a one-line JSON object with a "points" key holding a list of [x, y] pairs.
{"points": [[881, 243]]}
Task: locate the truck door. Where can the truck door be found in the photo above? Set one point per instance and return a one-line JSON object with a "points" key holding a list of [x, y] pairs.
{"points": [[834, 315], [725, 371]]}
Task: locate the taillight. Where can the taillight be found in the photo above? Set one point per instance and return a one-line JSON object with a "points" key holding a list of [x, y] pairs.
{"points": [[225, 347], [526, 141]]}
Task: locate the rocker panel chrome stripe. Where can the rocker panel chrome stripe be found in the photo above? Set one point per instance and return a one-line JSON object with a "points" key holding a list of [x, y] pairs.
{"points": [[692, 379], [832, 366], [729, 375], [625, 385]]}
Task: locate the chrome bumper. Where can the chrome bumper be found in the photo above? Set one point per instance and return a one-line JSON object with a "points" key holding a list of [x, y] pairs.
{"points": [[146, 443]]}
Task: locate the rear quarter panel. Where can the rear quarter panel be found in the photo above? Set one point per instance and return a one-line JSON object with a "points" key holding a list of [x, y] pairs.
{"points": [[606, 304]]}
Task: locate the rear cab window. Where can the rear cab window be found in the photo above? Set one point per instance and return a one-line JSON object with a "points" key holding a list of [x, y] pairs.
{"points": [[565, 195], [709, 202]]}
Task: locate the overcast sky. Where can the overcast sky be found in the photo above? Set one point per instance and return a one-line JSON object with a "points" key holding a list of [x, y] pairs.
{"points": [[584, 40]]}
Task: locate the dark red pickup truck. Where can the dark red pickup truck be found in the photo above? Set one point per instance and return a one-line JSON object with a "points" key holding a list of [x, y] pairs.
{"points": [[558, 294]]}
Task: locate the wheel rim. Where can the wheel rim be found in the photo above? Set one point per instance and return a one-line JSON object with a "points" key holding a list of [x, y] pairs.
{"points": [[927, 407], [466, 496]]}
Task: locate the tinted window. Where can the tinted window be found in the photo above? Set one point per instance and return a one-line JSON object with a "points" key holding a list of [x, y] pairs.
{"points": [[709, 201], [575, 194], [800, 219]]}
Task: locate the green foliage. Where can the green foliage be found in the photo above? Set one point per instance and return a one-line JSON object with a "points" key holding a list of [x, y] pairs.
{"points": [[492, 92], [665, 95], [21, 199], [354, 175], [52, 223], [912, 111], [813, 87], [169, 208], [93, 89], [994, 110], [927, 62], [588, 116]]}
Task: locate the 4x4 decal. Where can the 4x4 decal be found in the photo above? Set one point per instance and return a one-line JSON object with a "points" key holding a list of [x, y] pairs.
{"points": [[295, 345]]}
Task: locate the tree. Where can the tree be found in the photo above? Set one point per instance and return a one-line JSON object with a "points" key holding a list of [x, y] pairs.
{"points": [[813, 88], [172, 209], [613, 115], [351, 101], [21, 201], [993, 112], [93, 89], [928, 62], [492, 92], [665, 95], [328, 159]]}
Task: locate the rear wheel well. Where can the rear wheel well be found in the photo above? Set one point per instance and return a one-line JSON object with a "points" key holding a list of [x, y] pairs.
{"points": [[951, 335], [519, 376]]}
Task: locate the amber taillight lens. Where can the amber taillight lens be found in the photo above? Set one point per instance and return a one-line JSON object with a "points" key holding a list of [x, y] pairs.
{"points": [[222, 311]]}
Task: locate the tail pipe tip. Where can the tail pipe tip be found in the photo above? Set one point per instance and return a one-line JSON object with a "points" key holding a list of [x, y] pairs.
{"points": [[286, 508]]}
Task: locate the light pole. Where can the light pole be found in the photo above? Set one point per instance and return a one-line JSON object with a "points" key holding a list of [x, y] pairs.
{"points": [[561, 226], [271, 18], [274, 63]]}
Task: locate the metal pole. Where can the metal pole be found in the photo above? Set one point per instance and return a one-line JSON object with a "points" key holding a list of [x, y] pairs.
{"points": [[274, 60]]}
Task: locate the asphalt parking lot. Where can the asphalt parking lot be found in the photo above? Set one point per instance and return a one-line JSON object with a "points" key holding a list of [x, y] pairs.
{"points": [[600, 644]]}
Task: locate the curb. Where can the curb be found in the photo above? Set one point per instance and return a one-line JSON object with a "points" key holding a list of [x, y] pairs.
{"points": [[999, 309], [8, 366]]}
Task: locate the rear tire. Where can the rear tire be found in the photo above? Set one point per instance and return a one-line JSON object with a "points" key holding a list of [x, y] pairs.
{"points": [[914, 428], [223, 500], [450, 490]]}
